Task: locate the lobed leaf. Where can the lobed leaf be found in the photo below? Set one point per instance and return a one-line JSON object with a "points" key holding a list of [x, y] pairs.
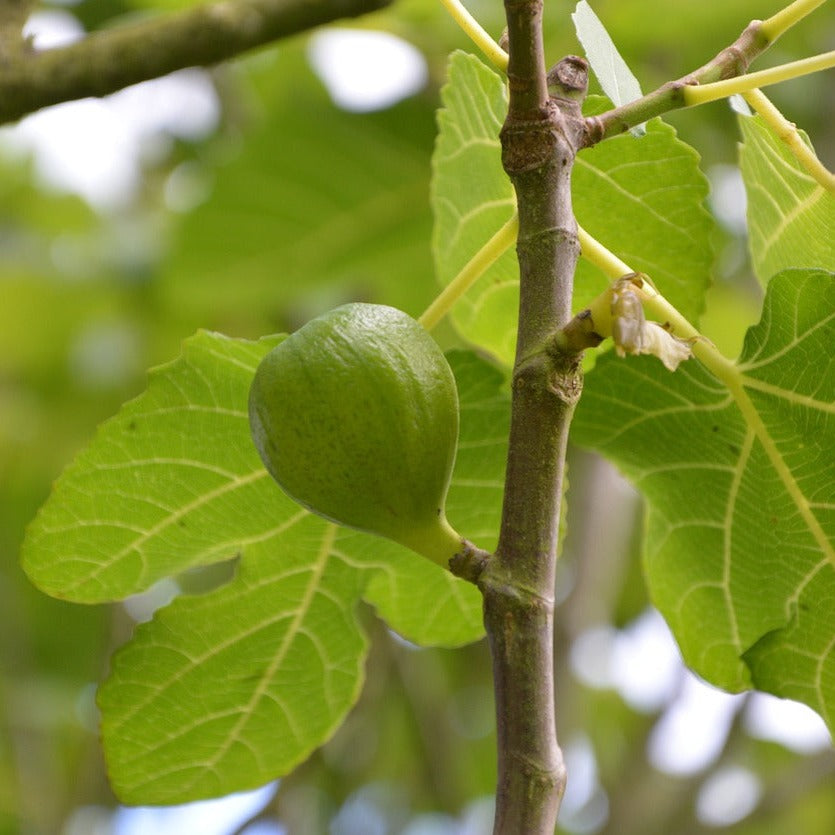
{"points": [[791, 217], [642, 197], [232, 688], [739, 479]]}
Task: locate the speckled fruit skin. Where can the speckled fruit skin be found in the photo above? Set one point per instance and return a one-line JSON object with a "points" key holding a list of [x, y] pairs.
{"points": [[355, 416]]}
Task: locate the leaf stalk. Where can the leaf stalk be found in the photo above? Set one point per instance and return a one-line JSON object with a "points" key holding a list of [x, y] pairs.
{"points": [[498, 244], [782, 21], [788, 133], [476, 33], [655, 305], [704, 93]]}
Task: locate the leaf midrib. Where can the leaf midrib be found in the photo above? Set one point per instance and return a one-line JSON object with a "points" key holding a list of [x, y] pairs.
{"points": [[249, 710], [162, 525], [736, 386]]}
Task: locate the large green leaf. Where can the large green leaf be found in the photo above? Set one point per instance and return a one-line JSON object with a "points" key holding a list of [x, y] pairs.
{"points": [[162, 487], [791, 217], [232, 688], [739, 476], [641, 197]]}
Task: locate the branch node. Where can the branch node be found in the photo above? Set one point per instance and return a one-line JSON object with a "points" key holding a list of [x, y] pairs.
{"points": [[566, 379], [530, 144], [546, 779], [469, 563], [578, 335], [595, 130], [517, 600]]}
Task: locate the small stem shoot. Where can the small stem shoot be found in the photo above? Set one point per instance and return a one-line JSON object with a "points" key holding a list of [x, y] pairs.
{"points": [[703, 93], [474, 31]]}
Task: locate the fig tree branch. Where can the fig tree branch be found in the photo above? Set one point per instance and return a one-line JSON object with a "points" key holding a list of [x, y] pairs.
{"points": [[539, 141], [13, 15], [730, 63], [527, 81], [203, 35]]}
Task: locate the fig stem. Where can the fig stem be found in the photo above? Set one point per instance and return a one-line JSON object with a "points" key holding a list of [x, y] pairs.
{"points": [[437, 541], [539, 141]]}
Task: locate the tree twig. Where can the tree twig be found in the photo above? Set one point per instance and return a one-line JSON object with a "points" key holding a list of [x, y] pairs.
{"points": [[202, 35], [731, 62], [13, 15]]}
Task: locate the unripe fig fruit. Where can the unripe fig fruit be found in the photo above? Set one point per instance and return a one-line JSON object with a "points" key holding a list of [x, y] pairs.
{"points": [[355, 415]]}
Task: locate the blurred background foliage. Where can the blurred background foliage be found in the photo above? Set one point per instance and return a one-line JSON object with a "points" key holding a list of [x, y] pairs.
{"points": [[275, 205]]}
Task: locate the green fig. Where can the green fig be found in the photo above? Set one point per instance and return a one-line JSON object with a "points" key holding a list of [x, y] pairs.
{"points": [[355, 415]]}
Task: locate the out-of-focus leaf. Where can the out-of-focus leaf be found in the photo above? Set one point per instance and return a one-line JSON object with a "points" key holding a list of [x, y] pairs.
{"points": [[317, 207]]}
